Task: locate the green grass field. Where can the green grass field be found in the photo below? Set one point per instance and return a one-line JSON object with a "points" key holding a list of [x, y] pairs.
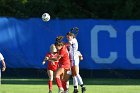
{"points": [[92, 85]]}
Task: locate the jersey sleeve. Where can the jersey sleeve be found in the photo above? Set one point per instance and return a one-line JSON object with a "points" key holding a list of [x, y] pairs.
{"points": [[79, 53], [1, 57]]}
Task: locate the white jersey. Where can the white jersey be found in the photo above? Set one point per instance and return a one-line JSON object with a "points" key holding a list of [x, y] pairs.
{"points": [[79, 53], [1, 57], [74, 44], [73, 51]]}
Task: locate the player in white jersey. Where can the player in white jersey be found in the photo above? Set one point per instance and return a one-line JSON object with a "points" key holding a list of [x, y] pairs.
{"points": [[3, 62], [74, 58]]}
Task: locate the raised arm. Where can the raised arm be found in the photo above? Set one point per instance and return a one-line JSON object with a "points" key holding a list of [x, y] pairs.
{"points": [[4, 65]]}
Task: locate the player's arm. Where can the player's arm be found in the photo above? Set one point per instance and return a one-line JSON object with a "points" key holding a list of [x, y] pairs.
{"points": [[80, 55], [50, 59], [3, 62], [55, 59], [4, 65], [45, 59]]}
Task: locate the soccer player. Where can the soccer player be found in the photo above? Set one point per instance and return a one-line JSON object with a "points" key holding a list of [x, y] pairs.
{"points": [[3, 62], [52, 65], [64, 66], [74, 58]]}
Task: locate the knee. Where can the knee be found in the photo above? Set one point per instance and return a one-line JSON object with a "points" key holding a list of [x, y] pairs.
{"points": [[74, 73], [51, 78]]}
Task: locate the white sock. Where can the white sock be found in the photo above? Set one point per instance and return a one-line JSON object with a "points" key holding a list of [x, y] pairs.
{"points": [[75, 82], [67, 84], [80, 81]]}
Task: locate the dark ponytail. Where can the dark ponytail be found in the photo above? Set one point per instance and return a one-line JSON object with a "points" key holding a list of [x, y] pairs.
{"points": [[73, 32], [59, 41]]}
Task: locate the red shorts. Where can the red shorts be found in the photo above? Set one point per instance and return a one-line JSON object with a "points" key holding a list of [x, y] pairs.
{"points": [[53, 67], [65, 66]]}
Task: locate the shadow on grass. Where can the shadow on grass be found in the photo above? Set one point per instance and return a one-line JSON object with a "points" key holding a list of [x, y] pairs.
{"points": [[86, 81]]}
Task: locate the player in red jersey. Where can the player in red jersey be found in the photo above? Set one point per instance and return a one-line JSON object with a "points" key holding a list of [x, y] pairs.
{"points": [[52, 65], [64, 66]]}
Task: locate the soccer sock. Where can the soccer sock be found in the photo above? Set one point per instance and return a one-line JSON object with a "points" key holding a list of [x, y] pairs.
{"points": [[64, 85], [75, 82], [67, 84], [50, 84], [80, 81], [58, 82]]}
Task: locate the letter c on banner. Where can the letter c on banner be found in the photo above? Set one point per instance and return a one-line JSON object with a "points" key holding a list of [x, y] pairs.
{"points": [[129, 44], [94, 44]]}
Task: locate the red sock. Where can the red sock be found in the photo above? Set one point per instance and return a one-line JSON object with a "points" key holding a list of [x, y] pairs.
{"points": [[64, 85], [50, 84], [58, 82]]}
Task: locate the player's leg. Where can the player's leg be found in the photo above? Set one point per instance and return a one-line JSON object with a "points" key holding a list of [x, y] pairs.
{"points": [[80, 81], [65, 81], [67, 85], [75, 81], [58, 76], [79, 78], [50, 74], [69, 73]]}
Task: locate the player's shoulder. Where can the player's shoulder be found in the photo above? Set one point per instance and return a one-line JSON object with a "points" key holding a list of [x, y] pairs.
{"points": [[64, 48], [74, 40], [48, 54]]}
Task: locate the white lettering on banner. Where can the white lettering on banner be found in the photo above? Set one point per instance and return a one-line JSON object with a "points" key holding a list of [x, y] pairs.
{"points": [[129, 44], [113, 34], [94, 44]]}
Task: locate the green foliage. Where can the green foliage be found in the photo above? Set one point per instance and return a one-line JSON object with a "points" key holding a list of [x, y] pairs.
{"points": [[97, 9]]}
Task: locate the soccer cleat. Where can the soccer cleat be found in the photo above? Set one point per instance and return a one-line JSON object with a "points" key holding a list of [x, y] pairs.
{"points": [[83, 89], [50, 91], [66, 91], [75, 91], [61, 90]]}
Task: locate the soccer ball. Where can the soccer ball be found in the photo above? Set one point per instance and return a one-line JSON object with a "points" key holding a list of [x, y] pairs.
{"points": [[45, 17]]}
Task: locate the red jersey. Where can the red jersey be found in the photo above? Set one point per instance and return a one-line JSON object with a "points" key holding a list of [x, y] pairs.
{"points": [[64, 61], [51, 66]]}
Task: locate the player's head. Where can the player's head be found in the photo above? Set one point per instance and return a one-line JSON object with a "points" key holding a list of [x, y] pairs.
{"points": [[70, 36], [59, 45], [53, 48], [59, 38]]}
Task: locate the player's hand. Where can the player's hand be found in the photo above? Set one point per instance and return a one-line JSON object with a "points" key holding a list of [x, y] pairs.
{"points": [[81, 57], [43, 62], [3, 69]]}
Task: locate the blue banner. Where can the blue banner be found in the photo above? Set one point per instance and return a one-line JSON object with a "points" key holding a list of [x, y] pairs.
{"points": [[105, 44]]}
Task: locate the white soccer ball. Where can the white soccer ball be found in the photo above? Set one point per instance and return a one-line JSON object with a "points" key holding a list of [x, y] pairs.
{"points": [[45, 17]]}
